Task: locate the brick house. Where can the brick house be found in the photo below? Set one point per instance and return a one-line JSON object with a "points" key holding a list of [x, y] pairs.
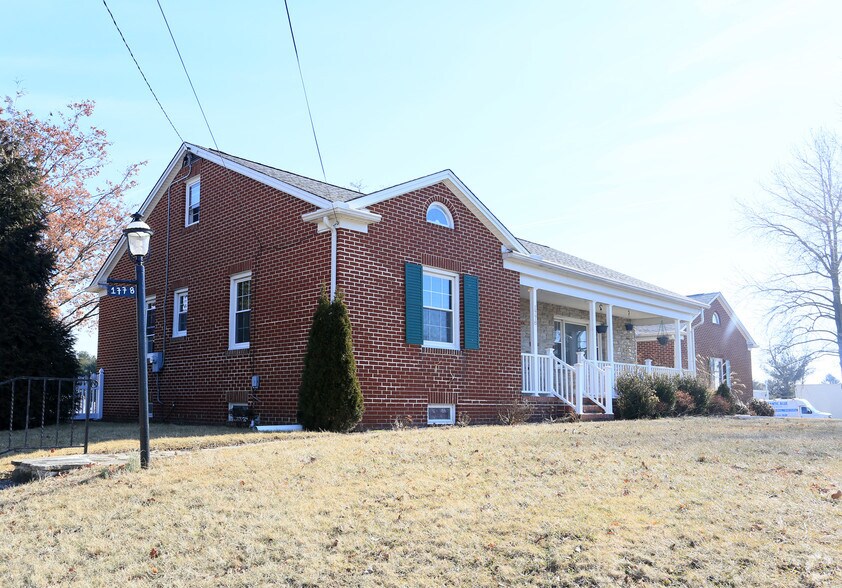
{"points": [[451, 313], [721, 342]]}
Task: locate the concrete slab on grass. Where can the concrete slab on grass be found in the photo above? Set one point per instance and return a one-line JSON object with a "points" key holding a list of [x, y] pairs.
{"points": [[46, 467]]}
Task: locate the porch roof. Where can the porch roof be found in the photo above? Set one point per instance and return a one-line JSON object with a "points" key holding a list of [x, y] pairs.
{"points": [[560, 273]]}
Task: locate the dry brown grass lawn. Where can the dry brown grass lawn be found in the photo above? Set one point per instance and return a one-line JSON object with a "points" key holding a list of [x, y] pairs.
{"points": [[686, 502]]}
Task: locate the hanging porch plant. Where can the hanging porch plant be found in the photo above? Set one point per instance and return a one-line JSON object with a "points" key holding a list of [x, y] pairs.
{"points": [[662, 334], [663, 339], [602, 328], [629, 327]]}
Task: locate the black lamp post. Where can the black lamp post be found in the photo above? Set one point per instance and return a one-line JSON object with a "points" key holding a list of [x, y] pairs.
{"points": [[138, 234]]}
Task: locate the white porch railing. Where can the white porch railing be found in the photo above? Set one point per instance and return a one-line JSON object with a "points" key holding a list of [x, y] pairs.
{"points": [[546, 375], [92, 387]]}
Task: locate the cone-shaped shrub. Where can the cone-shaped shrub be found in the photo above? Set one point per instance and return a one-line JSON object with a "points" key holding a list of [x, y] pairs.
{"points": [[330, 398]]}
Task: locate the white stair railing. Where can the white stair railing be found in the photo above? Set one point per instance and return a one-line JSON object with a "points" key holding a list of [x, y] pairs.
{"points": [[596, 382]]}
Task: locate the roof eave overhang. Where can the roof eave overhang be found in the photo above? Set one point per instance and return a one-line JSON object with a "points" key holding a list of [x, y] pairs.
{"points": [[166, 179], [460, 190], [750, 342], [563, 280], [339, 215]]}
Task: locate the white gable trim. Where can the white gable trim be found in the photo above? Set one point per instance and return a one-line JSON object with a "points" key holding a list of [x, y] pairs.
{"points": [[166, 179], [460, 190], [750, 342]]}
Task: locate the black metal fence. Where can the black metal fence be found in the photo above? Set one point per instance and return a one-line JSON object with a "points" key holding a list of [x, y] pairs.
{"points": [[42, 413]]}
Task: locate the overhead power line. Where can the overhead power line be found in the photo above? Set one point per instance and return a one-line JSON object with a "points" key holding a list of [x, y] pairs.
{"points": [[184, 67], [148, 85], [304, 87]]}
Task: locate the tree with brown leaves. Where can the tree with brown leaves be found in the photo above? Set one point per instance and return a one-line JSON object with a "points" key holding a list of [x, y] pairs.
{"points": [[82, 211]]}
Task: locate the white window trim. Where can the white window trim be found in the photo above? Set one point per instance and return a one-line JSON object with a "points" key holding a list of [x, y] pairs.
{"points": [[175, 295], [232, 310], [454, 296], [231, 405], [714, 318], [190, 183], [149, 300], [444, 209], [450, 421]]}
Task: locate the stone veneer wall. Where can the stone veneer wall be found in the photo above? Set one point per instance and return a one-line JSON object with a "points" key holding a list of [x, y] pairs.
{"points": [[625, 349]]}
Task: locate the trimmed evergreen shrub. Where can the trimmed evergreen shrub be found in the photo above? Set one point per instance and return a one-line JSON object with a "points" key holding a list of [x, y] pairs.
{"points": [[725, 392], [636, 398], [329, 398], [697, 388], [760, 407], [665, 388], [684, 403]]}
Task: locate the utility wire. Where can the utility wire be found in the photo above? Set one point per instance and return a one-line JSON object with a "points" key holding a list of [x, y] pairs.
{"points": [[148, 85], [304, 87], [207, 124]]}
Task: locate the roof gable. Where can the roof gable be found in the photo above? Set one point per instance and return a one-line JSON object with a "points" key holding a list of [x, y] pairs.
{"points": [[459, 189], [718, 296]]}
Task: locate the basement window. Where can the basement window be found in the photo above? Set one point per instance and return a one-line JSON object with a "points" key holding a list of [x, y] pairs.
{"points": [[441, 414]]}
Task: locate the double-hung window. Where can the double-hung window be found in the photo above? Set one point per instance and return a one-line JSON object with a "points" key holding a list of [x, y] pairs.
{"points": [[179, 323], [192, 203], [239, 320], [150, 324], [441, 309]]}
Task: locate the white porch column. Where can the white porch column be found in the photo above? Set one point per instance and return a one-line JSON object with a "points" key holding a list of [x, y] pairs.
{"points": [[533, 320], [592, 331], [677, 346], [691, 348], [609, 321]]}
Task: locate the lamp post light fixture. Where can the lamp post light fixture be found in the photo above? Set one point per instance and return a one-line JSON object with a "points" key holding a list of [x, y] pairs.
{"points": [[138, 235]]}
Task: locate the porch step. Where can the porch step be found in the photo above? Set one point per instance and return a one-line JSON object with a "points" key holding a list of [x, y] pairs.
{"points": [[595, 416]]}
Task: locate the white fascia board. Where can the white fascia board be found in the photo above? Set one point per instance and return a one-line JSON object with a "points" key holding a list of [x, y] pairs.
{"points": [[750, 342], [553, 278], [343, 217], [145, 208], [260, 177], [459, 190], [164, 181]]}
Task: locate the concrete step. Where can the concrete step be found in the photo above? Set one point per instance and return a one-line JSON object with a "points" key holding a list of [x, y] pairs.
{"points": [[591, 416]]}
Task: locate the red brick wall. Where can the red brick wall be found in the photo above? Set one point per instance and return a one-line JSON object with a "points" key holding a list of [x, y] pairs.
{"points": [[400, 379], [238, 230], [724, 341], [662, 355]]}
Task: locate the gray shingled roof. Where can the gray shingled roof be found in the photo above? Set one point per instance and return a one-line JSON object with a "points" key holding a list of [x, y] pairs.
{"points": [[577, 263], [707, 297], [315, 187]]}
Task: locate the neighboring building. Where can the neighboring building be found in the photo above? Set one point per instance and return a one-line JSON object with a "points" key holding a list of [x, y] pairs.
{"points": [[450, 312], [825, 397], [720, 339]]}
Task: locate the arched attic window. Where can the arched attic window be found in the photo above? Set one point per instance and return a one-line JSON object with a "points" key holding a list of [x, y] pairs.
{"points": [[438, 214], [714, 318]]}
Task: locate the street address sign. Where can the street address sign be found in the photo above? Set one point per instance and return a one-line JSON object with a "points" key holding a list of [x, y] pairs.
{"points": [[124, 291]]}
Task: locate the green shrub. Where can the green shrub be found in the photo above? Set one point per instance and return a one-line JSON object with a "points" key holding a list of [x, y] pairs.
{"points": [[329, 398], [684, 403], [725, 392], [697, 388], [719, 406], [739, 406], [665, 388], [636, 397], [760, 407]]}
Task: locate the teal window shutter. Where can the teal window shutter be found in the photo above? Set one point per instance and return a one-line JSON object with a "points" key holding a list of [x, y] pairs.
{"points": [[470, 293], [414, 280]]}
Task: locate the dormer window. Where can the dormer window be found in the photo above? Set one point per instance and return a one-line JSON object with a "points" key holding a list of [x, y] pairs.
{"points": [[192, 204], [438, 214], [714, 318]]}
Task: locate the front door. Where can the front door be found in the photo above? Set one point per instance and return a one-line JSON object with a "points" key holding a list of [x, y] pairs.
{"points": [[570, 339]]}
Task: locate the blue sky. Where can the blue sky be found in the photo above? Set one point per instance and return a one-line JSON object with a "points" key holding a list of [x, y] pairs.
{"points": [[622, 132]]}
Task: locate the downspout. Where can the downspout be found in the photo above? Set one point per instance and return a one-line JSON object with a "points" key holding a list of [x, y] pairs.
{"points": [[332, 229]]}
